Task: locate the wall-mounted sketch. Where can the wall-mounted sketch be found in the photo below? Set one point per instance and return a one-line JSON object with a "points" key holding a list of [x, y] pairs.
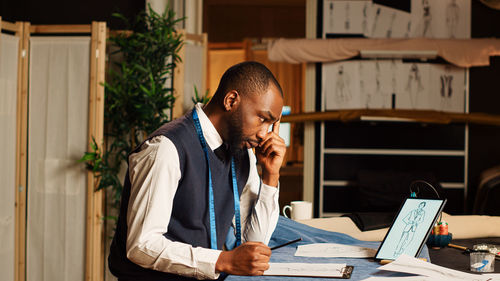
{"points": [[447, 86], [441, 19], [344, 16], [364, 22], [346, 22], [452, 18], [412, 220], [340, 86], [387, 22], [413, 89], [414, 85]]}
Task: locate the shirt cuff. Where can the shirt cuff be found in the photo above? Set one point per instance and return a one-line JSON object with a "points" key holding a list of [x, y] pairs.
{"points": [[207, 258], [268, 192]]}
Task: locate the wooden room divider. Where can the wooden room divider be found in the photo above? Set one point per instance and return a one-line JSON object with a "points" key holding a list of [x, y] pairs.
{"points": [[94, 240]]}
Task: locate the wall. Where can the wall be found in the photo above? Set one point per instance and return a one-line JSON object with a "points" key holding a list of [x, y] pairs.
{"points": [[69, 12]]}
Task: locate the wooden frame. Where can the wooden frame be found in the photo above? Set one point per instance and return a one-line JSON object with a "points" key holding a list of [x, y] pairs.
{"points": [[179, 72], [21, 30], [95, 251]]}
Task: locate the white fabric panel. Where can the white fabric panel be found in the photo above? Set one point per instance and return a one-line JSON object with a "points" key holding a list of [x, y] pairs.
{"points": [[193, 74], [8, 87], [58, 118]]}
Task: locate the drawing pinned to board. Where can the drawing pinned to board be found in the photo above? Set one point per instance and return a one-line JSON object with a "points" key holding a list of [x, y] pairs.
{"points": [[340, 87], [387, 22], [452, 18], [412, 220], [447, 87], [344, 16], [414, 85], [441, 19]]}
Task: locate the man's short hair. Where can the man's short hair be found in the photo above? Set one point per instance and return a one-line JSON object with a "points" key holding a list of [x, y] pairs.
{"points": [[246, 78]]}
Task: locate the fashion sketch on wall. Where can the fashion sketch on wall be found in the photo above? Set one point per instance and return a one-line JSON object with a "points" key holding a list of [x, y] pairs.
{"points": [[345, 17], [412, 90], [448, 87], [387, 22], [340, 87], [358, 84], [441, 18], [428, 18]]}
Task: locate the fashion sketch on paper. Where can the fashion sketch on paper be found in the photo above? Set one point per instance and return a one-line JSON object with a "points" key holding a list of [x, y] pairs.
{"points": [[414, 85]]}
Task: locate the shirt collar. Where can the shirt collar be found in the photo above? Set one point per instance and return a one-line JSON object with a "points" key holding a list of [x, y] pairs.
{"points": [[211, 135]]}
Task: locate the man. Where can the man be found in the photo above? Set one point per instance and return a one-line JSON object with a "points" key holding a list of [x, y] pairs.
{"points": [[180, 199]]}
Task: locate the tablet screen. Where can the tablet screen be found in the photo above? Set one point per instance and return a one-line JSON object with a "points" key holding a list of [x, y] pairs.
{"points": [[410, 229]]}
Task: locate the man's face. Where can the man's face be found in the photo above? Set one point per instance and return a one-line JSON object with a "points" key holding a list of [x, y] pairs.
{"points": [[250, 122]]}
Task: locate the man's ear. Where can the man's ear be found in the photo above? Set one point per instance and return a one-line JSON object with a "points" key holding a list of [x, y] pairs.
{"points": [[231, 100]]}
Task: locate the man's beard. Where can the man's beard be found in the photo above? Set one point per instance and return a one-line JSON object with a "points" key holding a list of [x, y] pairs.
{"points": [[235, 140]]}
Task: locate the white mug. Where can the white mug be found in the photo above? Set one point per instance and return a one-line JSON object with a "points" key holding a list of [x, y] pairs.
{"points": [[300, 210]]}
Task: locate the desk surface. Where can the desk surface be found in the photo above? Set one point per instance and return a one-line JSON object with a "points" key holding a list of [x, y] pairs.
{"points": [[457, 259], [287, 230]]}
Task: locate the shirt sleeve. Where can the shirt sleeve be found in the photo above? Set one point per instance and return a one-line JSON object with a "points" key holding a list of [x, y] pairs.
{"points": [[259, 207], [154, 175]]}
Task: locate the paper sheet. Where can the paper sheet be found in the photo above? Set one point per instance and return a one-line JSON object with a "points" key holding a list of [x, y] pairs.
{"points": [[333, 250], [407, 264], [407, 278], [306, 269]]}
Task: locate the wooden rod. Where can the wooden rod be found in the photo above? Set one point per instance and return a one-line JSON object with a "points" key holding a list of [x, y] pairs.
{"points": [[21, 151], [9, 26], [70, 28], [424, 116]]}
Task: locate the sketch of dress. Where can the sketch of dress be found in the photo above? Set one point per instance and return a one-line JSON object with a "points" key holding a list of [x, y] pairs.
{"points": [[411, 220], [408, 28], [362, 84], [378, 84], [391, 25], [347, 22], [446, 90], [414, 85], [452, 18], [342, 87], [424, 28], [375, 21], [331, 16], [365, 17]]}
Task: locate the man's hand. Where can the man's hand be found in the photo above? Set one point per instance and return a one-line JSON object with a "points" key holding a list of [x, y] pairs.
{"points": [[250, 258], [270, 154]]}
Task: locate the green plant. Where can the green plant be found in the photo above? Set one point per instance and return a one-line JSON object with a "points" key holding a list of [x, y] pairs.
{"points": [[137, 99]]}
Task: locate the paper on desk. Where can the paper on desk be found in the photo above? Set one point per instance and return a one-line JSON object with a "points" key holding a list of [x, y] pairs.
{"points": [[306, 269], [406, 278], [333, 250], [407, 264], [492, 276]]}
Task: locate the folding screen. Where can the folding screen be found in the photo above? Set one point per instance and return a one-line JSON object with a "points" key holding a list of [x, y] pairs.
{"points": [[9, 48], [190, 72], [58, 118]]}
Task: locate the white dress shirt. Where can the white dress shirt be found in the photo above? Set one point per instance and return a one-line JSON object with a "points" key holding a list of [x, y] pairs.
{"points": [[154, 175]]}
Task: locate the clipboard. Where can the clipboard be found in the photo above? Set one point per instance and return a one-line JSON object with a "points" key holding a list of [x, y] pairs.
{"points": [[325, 270]]}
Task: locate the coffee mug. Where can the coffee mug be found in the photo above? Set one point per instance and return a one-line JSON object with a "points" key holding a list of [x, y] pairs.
{"points": [[299, 210]]}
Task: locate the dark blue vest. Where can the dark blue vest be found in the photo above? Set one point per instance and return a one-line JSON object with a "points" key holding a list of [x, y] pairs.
{"points": [[189, 222]]}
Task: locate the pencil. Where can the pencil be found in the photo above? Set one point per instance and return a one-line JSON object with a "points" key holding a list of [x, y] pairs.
{"points": [[287, 243]]}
